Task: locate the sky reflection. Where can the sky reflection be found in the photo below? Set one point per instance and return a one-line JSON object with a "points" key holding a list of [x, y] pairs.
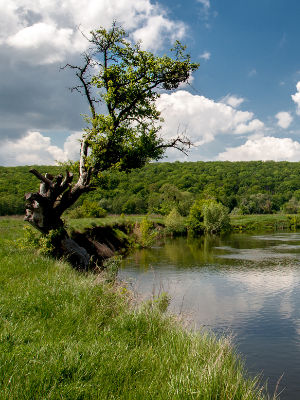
{"points": [[240, 283]]}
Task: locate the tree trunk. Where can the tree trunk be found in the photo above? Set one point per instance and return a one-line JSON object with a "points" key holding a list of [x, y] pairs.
{"points": [[45, 208]]}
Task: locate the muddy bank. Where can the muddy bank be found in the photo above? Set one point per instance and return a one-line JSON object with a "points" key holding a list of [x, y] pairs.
{"points": [[103, 242]]}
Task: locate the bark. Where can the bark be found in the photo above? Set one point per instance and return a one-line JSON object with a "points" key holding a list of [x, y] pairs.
{"points": [[44, 209]]}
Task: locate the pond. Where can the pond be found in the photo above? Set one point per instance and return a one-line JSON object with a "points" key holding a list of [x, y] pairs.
{"points": [[245, 284]]}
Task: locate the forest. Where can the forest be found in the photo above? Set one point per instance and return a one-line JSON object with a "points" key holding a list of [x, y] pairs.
{"points": [[253, 187]]}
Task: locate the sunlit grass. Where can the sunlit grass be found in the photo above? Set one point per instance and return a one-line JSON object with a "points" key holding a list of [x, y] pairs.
{"points": [[259, 222], [111, 220]]}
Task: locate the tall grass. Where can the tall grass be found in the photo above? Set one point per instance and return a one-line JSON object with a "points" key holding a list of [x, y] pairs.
{"points": [[65, 335]]}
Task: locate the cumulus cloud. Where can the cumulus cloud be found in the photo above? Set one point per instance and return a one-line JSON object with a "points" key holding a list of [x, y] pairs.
{"points": [[34, 148], [284, 119], [266, 148], [47, 31], [233, 101], [44, 40], [296, 98], [203, 118], [205, 55], [254, 125], [38, 36]]}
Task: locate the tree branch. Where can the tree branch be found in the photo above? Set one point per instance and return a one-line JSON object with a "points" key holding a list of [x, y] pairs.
{"points": [[42, 177]]}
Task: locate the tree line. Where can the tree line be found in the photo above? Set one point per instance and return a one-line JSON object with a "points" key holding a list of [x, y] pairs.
{"points": [[252, 187]]}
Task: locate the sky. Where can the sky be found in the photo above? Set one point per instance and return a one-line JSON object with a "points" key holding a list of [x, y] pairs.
{"points": [[242, 104]]}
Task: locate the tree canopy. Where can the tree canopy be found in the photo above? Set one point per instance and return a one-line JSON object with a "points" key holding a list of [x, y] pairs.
{"points": [[128, 80]]}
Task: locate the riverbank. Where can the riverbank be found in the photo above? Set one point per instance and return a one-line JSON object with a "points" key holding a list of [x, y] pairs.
{"points": [[238, 222], [70, 335]]}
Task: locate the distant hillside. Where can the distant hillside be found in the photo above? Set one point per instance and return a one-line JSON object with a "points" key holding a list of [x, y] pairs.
{"points": [[254, 186], [15, 182]]}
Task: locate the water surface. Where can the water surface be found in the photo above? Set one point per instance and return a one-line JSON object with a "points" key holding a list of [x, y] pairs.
{"points": [[248, 284]]}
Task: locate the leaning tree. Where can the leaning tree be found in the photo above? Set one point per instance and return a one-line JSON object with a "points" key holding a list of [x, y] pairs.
{"points": [[128, 81]]}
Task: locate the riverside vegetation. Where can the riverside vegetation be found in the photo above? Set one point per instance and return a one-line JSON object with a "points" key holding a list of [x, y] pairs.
{"points": [[253, 187], [70, 335]]}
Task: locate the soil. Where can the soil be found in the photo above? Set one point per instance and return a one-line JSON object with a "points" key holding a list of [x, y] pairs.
{"points": [[103, 242]]}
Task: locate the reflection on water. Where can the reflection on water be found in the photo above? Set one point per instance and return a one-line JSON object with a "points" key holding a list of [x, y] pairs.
{"points": [[247, 284]]}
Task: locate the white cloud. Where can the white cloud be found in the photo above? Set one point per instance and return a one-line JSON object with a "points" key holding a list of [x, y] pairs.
{"points": [[52, 43], [254, 125], [253, 72], [156, 29], [35, 148], [266, 148], [205, 3], [205, 55], [72, 147], [284, 119], [205, 11], [233, 101], [46, 31], [203, 118], [296, 98]]}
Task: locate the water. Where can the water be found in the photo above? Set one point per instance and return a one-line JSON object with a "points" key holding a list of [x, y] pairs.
{"points": [[247, 284]]}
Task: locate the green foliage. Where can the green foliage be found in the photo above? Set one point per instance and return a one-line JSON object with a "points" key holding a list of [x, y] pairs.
{"points": [[293, 221], [253, 187], [147, 237], [127, 79], [292, 206], [34, 240], [159, 303], [215, 217], [196, 218], [111, 267], [174, 223], [170, 197], [88, 209]]}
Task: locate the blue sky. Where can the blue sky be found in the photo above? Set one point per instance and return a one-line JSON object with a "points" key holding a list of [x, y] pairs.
{"points": [[245, 104]]}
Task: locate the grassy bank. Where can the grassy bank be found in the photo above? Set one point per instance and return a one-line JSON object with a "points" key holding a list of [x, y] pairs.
{"points": [[264, 222], [66, 335], [238, 222]]}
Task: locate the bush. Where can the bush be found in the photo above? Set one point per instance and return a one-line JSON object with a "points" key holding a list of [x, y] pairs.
{"points": [[196, 219], [207, 215], [89, 209], [216, 217], [147, 234], [175, 223], [292, 207]]}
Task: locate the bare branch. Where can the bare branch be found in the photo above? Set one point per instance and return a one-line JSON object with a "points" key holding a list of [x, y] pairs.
{"points": [[42, 177]]}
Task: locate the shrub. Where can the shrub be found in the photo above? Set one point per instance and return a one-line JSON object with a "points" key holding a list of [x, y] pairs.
{"points": [[207, 215], [216, 217], [196, 218], [292, 207], [147, 233], [174, 223], [89, 209]]}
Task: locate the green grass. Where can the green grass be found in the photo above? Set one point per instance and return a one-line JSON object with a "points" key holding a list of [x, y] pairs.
{"points": [[111, 220], [238, 222], [259, 222], [66, 335]]}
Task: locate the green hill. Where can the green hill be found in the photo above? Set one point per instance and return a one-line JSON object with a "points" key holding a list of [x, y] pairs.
{"points": [[253, 187]]}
